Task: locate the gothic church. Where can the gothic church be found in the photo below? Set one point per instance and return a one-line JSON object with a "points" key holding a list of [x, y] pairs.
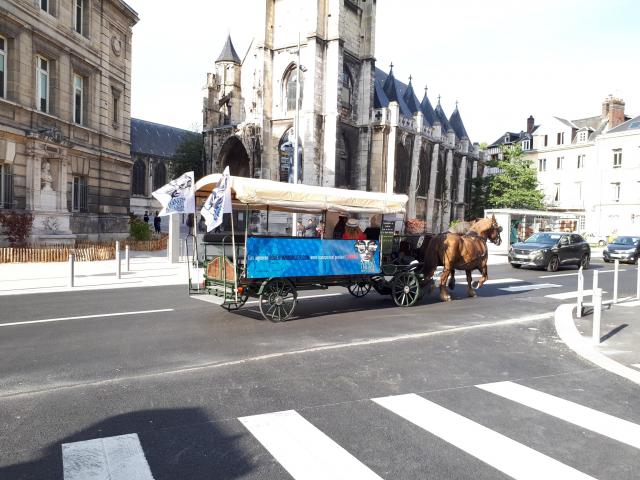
{"points": [[358, 126]]}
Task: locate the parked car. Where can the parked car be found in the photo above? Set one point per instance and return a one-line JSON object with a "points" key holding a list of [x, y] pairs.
{"points": [[550, 250], [593, 239], [625, 249]]}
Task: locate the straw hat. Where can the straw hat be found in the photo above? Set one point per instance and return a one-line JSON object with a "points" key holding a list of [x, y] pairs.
{"points": [[353, 223]]}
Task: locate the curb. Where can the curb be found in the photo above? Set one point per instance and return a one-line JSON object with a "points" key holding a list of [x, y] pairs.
{"points": [[568, 333]]}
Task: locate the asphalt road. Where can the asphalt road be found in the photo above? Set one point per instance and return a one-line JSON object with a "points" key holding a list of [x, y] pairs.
{"points": [[181, 376]]}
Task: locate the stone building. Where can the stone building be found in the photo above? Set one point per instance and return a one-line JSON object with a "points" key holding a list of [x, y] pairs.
{"points": [[359, 127], [65, 77], [152, 147]]}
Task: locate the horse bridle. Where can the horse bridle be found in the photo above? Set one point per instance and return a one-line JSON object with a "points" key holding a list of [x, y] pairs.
{"points": [[496, 240]]}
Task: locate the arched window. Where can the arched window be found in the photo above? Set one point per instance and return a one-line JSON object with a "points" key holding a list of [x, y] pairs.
{"points": [[290, 81], [402, 174], [343, 163], [424, 172], [159, 175], [138, 178], [347, 88]]}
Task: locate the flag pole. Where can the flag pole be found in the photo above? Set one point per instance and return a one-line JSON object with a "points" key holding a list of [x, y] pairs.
{"points": [[235, 269]]}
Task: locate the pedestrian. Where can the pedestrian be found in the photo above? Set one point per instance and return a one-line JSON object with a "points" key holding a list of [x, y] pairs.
{"points": [[338, 230], [146, 216], [299, 229], [310, 229], [157, 221], [320, 230], [202, 225], [352, 231]]}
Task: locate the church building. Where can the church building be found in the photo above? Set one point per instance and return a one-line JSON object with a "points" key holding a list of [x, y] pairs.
{"points": [[357, 126]]}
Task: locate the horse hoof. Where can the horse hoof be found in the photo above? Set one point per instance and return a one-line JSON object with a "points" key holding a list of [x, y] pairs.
{"points": [[475, 284], [472, 294]]}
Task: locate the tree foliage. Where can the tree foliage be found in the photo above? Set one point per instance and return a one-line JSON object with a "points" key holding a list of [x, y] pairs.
{"points": [[17, 226], [189, 156], [516, 183]]}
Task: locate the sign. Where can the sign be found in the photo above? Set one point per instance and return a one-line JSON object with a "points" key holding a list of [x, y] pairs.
{"points": [[387, 230], [310, 257]]}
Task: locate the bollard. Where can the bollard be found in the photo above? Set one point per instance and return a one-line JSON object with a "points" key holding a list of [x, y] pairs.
{"points": [[597, 314], [616, 270], [72, 259], [126, 257], [118, 266], [638, 283], [595, 282], [580, 298]]}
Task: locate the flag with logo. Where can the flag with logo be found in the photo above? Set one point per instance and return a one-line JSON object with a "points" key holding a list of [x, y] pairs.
{"points": [[177, 196], [218, 203]]}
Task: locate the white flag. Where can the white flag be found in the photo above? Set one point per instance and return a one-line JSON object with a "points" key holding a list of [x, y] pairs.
{"points": [[218, 203], [177, 196]]}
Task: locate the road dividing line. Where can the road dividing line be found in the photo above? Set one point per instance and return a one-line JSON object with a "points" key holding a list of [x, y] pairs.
{"points": [[81, 317], [568, 295], [585, 417], [303, 450], [110, 458], [500, 452], [533, 286]]}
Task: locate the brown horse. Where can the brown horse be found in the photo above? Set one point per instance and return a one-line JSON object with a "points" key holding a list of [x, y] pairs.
{"points": [[462, 252]]}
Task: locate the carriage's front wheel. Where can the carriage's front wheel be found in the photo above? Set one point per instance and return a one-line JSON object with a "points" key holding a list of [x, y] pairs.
{"points": [[278, 300], [405, 289], [359, 289]]}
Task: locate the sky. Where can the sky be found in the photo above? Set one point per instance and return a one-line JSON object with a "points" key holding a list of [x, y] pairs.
{"points": [[502, 60]]}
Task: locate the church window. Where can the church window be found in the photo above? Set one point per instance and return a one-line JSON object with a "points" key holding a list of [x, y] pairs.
{"points": [[343, 165], [291, 80], [3, 67], [402, 174], [159, 176], [347, 89], [424, 173], [6, 186], [139, 178]]}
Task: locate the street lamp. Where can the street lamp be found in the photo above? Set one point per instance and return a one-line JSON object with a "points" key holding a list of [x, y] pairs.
{"points": [[296, 131]]}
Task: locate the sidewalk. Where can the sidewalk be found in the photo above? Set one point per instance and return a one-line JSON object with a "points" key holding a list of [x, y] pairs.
{"points": [[148, 269], [619, 348]]}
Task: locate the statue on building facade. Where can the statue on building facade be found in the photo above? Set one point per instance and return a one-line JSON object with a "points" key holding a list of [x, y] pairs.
{"points": [[46, 177]]}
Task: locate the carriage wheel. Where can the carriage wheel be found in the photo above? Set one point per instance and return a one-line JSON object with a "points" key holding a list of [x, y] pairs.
{"points": [[232, 305], [359, 289], [278, 300], [406, 289]]}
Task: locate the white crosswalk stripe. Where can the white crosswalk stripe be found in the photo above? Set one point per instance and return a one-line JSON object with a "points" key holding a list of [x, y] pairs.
{"points": [[504, 454], [533, 286], [110, 458], [602, 423], [568, 295], [303, 450]]}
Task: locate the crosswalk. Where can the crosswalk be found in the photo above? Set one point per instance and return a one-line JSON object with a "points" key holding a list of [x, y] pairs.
{"points": [[307, 452]]}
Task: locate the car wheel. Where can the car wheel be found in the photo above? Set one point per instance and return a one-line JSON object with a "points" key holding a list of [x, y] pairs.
{"points": [[515, 265], [601, 243], [553, 264], [584, 262]]}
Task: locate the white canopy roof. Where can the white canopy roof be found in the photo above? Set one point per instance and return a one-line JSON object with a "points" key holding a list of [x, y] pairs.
{"points": [[291, 197]]}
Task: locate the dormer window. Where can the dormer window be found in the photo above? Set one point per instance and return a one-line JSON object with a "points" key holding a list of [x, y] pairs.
{"points": [[526, 145], [582, 137], [507, 138]]}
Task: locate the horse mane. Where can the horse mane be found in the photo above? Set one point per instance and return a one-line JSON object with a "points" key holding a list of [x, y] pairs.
{"points": [[481, 226]]}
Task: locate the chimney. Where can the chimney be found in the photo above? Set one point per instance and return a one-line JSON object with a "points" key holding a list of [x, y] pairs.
{"points": [[616, 112], [605, 106], [530, 123]]}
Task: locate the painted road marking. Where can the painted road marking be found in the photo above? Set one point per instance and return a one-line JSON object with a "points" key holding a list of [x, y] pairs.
{"points": [[567, 295], [507, 455], [302, 449], [576, 273], [585, 417], [110, 458], [636, 365], [81, 317], [320, 295], [533, 286]]}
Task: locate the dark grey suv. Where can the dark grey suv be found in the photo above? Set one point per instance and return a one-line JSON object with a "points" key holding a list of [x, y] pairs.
{"points": [[550, 250], [625, 249]]}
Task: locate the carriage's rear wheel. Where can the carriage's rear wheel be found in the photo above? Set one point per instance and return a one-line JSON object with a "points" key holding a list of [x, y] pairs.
{"points": [[278, 300], [405, 289], [359, 289]]}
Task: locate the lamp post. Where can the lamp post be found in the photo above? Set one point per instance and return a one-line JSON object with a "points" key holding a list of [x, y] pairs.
{"points": [[296, 133]]}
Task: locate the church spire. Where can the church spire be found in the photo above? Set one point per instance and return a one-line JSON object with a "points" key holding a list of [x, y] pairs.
{"points": [[228, 53]]}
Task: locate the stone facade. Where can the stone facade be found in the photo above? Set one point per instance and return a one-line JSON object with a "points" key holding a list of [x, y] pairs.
{"points": [[65, 115], [358, 127]]}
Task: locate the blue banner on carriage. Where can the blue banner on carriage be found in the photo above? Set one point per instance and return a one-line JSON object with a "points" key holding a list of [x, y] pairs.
{"points": [[310, 257]]}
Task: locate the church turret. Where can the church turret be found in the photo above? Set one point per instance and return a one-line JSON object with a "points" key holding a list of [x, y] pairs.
{"points": [[225, 95]]}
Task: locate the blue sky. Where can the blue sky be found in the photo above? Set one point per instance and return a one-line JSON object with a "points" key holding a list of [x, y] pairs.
{"points": [[503, 60]]}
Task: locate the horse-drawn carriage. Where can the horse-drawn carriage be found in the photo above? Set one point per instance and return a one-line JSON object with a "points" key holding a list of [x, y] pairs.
{"points": [[230, 267]]}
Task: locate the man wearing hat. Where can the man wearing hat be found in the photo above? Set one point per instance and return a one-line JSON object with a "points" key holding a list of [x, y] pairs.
{"points": [[352, 231]]}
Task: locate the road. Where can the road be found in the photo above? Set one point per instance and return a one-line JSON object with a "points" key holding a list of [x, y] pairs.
{"points": [[351, 388]]}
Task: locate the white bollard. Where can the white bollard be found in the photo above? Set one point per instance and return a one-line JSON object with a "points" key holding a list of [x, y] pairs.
{"points": [[126, 257], [638, 283], [118, 266], [616, 270], [595, 282], [597, 315], [72, 260], [580, 298]]}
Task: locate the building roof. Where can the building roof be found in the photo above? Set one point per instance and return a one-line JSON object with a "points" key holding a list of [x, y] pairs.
{"points": [[427, 109], [442, 118], [410, 98], [150, 138], [228, 53], [513, 138], [632, 124], [456, 123], [388, 89]]}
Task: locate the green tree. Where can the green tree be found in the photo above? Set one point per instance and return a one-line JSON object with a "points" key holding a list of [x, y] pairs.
{"points": [[189, 156], [516, 184], [479, 196]]}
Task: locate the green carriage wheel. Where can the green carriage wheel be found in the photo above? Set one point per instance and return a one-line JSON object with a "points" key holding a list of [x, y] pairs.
{"points": [[278, 300], [405, 289]]}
